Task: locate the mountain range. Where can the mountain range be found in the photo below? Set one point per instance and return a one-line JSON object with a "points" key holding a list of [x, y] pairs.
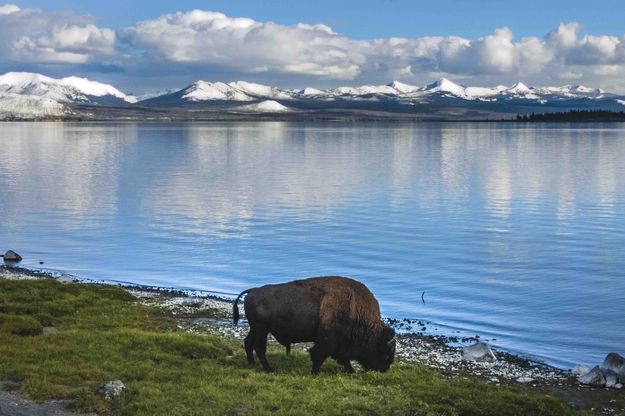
{"points": [[35, 96]]}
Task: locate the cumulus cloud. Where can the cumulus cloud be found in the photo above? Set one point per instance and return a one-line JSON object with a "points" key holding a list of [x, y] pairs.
{"points": [[245, 46], [202, 43], [211, 38], [28, 35]]}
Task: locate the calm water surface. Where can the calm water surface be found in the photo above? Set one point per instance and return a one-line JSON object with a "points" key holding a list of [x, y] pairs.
{"points": [[515, 232]]}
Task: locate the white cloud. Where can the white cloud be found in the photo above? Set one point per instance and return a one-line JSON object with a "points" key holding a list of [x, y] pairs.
{"points": [[495, 53], [28, 35], [210, 44], [565, 36], [213, 40], [9, 8], [81, 39]]}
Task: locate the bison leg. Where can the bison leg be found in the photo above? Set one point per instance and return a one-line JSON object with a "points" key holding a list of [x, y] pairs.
{"points": [[347, 365], [249, 347], [260, 345], [318, 355], [288, 349]]}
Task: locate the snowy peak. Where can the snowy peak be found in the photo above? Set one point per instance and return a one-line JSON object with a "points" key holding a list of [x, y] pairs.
{"points": [[583, 90], [311, 91], [36, 96], [96, 89], [519, 88], [446, 86], [233, 91], [23, 80], [259, 90], [403, 88], [207, 91], [396, 91], [66, 90]]}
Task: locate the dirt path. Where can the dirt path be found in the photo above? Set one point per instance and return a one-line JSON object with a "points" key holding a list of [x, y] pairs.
{"points": [[12, 404]]}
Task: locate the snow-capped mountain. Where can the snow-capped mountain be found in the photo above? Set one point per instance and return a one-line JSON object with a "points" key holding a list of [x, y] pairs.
{"points": [[65, 90], [36, 95], [259, 90], [208, 91], [203, 92], [402, 88], [444, 85], [446, 88], [15, 106]]}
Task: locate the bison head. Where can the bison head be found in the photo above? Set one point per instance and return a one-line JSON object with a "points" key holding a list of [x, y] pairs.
{"points": [[381, 353]]}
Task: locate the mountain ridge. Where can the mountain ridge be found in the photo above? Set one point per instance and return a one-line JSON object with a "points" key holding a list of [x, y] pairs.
{"points": [[22, 93]]}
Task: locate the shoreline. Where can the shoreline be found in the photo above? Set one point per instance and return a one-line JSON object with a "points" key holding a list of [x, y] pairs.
{"points": [[434, 352], [221, 300]]}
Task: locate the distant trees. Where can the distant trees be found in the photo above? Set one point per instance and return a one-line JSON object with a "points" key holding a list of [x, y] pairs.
{"points": [[574, 116]]}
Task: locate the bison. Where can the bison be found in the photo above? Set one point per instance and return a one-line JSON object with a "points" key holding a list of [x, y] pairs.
{"points": [[340, 315]]}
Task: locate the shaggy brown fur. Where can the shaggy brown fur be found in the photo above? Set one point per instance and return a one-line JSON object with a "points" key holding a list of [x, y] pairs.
{"points": [[340, 315]]}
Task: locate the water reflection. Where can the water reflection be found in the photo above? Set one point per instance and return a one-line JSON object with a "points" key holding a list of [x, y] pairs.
{"points": [[510, 229], [65, 167]]}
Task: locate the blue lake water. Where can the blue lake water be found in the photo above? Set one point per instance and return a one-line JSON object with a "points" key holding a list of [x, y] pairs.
{"points": [[514, 232]]}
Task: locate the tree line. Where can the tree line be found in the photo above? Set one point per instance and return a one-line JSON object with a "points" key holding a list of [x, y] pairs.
{"points": [[574, 115]]}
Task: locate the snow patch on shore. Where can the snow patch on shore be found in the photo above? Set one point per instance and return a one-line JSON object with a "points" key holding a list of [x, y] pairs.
{"points": [[267, 106]]}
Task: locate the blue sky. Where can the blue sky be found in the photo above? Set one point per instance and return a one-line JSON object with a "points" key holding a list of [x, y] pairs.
{"points": [[367, 19], [146, 45]]}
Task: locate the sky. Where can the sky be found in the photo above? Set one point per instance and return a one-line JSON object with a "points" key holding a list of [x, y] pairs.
{"points": [[142, 46]]}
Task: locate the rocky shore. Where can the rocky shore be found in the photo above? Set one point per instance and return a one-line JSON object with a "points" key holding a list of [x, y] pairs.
{"points": [[195, 313], [435, 352]]}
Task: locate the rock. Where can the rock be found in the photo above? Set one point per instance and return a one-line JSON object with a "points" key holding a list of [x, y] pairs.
{"points": [[524, 379], [65, 279], [611, 378], [580, 370], [479, 352], [618, 386], [49, 330], [594, 377], [111, 389], [192, 303], [616, 363], [12, 257]]}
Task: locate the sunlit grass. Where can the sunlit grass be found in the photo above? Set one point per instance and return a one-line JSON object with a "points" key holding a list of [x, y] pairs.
{"points": [[103, 335]]}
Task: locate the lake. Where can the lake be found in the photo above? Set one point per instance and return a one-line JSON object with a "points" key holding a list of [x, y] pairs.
{"points": [[515, 232]]}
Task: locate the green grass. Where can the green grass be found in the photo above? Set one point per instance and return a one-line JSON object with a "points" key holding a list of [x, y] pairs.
{"points": [[105, 335]]}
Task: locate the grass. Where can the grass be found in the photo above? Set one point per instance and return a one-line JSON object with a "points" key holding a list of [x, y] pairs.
{"points": [[103, 335]]}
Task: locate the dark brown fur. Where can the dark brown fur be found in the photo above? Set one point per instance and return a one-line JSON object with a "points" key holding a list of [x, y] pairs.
{"points": [[340, 315]]}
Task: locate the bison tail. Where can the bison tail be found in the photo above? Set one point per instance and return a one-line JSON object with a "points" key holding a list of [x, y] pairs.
{"points": [[235, 307]]}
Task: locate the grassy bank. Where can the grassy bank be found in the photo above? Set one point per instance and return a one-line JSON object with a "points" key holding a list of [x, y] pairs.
{"points": [[103, 334]]}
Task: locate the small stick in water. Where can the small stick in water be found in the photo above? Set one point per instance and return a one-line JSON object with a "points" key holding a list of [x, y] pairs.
{"points": [[422, 295]]}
